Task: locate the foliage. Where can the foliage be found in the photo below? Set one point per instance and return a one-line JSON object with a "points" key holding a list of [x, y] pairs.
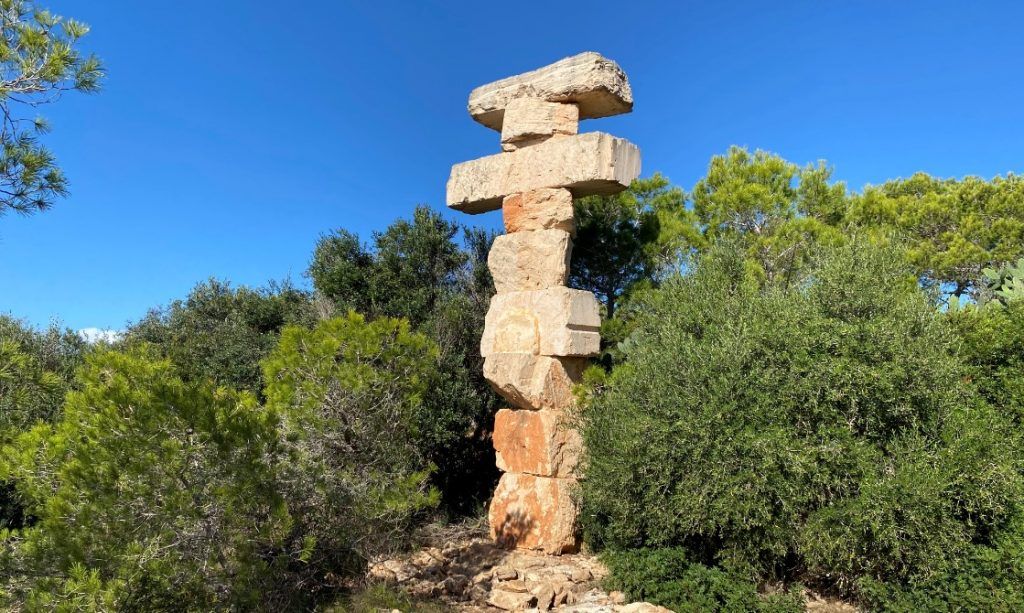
{"points": [[820, 424], [775, 209], [144, 490], [668, 577], [157, 493], [39, 61], [36, 371], [628, 237], [351, 399], [954, 228], [1005, 284], [220, 333], [992, 348], [340, 270], [384, 597], [986, 578], [417, 271]]}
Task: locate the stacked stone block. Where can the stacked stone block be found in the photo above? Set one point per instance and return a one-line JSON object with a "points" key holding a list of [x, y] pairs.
{"points": [[538, 332]]}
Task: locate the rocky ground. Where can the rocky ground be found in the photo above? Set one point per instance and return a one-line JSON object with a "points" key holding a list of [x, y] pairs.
{"points": [[466, 571]]}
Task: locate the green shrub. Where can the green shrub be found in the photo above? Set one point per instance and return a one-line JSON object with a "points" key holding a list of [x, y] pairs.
{"points": [[147, 491], [992, 346], [220, 333], [668, 578], [157, 493], [821, 426], [416, 270], [350, 398], [36, 371]]}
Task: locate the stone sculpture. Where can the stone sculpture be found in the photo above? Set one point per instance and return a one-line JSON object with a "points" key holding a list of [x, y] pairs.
{"points": [[538, 332]]}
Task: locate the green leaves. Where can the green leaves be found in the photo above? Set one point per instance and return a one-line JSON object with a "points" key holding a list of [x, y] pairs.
{"points": [[38, 63], [819, 424], [953, 229], [151, 492], [629, 237]]}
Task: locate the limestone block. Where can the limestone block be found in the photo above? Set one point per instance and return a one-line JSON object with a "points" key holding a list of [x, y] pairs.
{"points": [[542, 443], [530, 260], [529, 121], [508, 600], [540, 209], [557, 321], [534, 381], [529, 512], [593, 82], [585, 164]]}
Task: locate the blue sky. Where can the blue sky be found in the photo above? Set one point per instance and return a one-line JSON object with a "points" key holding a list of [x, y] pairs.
{"points": [[230, 134]]}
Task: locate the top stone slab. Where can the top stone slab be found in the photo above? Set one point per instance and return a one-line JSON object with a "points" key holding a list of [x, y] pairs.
{"points": [[591, 81]]}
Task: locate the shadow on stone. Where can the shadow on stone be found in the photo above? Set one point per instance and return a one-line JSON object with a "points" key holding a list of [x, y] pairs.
{"points": [[513, 529]]}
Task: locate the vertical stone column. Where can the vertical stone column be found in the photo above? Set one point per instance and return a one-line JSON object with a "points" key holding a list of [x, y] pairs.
{"points": [[539, 332]]}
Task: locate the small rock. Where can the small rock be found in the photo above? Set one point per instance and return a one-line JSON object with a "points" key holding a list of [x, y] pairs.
{"points": [[482, 577], [581, 575], [531, 562], [513, 586], [511, 601], [504, 573], [424, 589], [545, 594], [561, 598], [455, 585], [379, 572], [643, 607], [402, 571], [478, 593], [617, 597]]}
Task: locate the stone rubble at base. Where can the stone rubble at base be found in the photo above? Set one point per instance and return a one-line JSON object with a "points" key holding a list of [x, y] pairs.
{"points": [[475, 574], [538, 332]]}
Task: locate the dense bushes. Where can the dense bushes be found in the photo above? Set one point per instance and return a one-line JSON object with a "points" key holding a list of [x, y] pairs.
{"points": [[36, 371], [220, 333], [819, 430], [156, 493], [671, 578], [417, 271]]}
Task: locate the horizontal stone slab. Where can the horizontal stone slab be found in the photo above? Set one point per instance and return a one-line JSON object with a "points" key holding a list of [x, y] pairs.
{"points": [[529, 512], [585, 164], [557, 321], [534, 381], [591, 81], [530, 260], [542, 443]]}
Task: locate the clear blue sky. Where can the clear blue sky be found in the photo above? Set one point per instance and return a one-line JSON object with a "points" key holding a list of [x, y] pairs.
{"points": [[230, 134]]}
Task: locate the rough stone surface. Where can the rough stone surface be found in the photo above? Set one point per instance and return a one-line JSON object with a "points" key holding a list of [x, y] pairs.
{"points": [[541, 443], [534, 381], [643, 607], [540, 209], [588, 79], [530, 260], [511, 601], [466, 551], [538, 513], [529, 121], [555, 322], [586, 164]]}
